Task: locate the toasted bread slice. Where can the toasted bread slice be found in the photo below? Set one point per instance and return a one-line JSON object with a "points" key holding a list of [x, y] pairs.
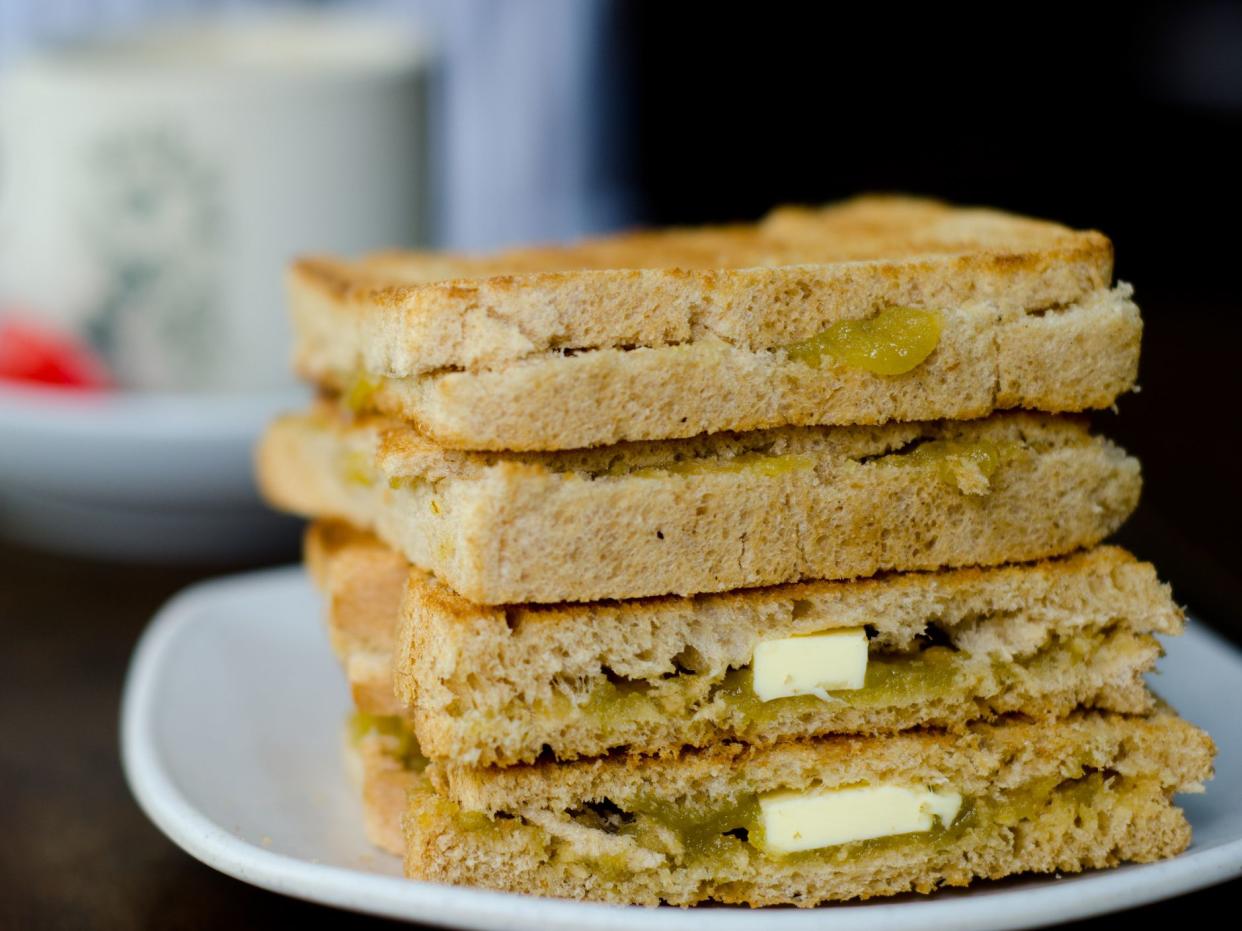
{"points": [[671, 334], [497, 686], [358, 576], [361, 580], [491, 685], [708, 514], [1091, 791], [383, 763]]}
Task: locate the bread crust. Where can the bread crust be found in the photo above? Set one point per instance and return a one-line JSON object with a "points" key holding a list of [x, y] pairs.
{"points": [[361, 581], [759, 286], [1079, 357], [383, 780], [616, 523], [675, 333]]}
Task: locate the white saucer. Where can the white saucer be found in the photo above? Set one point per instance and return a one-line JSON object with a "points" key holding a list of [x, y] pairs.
{"points": [[136, 476], [231, 732]]}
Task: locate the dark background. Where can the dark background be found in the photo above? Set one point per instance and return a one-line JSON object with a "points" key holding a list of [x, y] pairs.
{"points": [[1124, 121], [1130, 124]]}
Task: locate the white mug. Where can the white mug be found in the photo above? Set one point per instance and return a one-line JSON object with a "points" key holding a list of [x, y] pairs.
{"points": [[153, 189]]}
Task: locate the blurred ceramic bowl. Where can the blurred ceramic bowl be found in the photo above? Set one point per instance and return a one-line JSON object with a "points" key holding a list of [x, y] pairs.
{"points": [[138, 477]]}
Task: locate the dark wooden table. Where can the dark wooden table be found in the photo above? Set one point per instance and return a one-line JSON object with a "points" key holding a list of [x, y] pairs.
{"points": [[76, 853], [75, 850]]}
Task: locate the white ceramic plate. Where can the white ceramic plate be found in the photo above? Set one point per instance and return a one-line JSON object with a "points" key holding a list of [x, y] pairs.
{"points": [[231, 731], [137, 476]]}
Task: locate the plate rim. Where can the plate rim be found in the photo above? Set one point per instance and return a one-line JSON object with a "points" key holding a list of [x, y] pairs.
{"points": [[1040, 903], [149, 416]]}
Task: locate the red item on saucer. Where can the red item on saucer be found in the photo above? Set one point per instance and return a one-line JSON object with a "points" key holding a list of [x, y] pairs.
{"points": [[30, 352]]}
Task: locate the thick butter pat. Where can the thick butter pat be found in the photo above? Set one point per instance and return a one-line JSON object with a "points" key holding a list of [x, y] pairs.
{"points": [[794, 821], [810, 665]]}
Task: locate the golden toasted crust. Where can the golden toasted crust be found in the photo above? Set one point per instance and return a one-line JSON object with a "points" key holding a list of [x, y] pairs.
{"points": [[358, 576], [672, 334], [707, 514], [752, 286], [384, 773], [383, 779], [361, 580], [1073, 820]]}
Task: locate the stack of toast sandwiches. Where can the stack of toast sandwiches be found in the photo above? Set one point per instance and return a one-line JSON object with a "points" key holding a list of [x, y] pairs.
{"points": [[757, 564]]}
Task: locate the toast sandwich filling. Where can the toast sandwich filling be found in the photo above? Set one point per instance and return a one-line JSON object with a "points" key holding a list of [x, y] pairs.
{"points": [[895, 341], [812, 664], [835, 825], [399, 741], [810, 675]]}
